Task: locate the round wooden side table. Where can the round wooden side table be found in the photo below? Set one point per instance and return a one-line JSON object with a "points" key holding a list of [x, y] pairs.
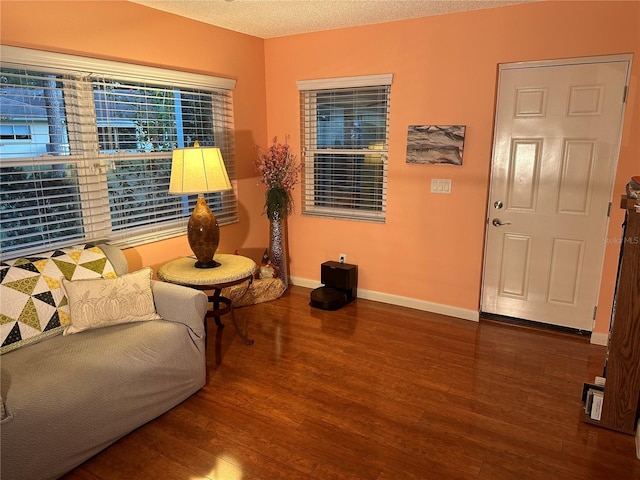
{"points": [[233, 270]]}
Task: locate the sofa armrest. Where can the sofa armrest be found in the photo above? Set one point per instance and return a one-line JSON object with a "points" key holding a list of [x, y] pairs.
{"points": [[176, 303], [116, 257]]}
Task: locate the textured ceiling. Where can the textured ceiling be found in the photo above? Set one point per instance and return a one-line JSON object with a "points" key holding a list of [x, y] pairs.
{"points": [[277, 18]]}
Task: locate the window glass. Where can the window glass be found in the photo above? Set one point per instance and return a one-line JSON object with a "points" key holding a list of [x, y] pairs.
{"points": [[32, 107], [345, 144], [86, 156]]}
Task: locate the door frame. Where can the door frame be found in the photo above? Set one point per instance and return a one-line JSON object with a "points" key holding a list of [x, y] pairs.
{"points": [[623, 57]]}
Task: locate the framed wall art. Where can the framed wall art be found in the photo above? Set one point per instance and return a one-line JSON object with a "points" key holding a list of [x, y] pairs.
{"points": [[435, 144]]}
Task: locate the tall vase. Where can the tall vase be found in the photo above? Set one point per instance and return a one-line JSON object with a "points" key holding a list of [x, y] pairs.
{"points": [[278, 246]]}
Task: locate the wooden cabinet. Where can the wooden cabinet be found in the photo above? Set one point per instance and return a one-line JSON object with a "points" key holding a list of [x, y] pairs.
{"points": [[621, 405]]}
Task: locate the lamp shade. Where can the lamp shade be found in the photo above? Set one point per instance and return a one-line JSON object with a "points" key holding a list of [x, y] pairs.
{"points": [[198, 170]]}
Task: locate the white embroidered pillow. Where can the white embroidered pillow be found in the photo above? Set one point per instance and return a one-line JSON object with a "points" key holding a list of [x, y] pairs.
{"points": [[102, 302]]}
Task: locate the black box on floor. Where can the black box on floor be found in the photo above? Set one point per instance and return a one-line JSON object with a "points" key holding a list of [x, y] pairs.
{"points": [[343, 276], [340, 286]]}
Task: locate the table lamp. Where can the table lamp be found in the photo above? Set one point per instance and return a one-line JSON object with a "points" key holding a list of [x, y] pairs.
{"points": [[200, 170]]}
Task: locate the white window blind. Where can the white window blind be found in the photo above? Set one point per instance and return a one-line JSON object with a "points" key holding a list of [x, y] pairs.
{"points": [[345, 125], [98, 160]]}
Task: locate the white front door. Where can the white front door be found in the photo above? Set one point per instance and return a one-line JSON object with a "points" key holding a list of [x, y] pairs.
{"points": [[558, 126]]}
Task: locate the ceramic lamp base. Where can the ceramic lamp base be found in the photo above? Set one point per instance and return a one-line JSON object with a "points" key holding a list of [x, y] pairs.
{"points": [[203, 234], [211, 264]]}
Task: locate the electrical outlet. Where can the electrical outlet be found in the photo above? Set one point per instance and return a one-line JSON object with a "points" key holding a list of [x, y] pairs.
{"points": [[342, 258]]}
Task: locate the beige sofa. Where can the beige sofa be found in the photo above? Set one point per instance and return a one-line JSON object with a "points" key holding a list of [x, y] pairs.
{"points": [[67, 397]]}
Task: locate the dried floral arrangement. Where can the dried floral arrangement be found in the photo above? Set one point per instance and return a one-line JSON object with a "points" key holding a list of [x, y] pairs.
{"points": [[279, 170]]}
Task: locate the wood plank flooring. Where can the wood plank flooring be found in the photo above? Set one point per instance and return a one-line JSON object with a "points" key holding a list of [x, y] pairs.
{"points": [[378, 392]]}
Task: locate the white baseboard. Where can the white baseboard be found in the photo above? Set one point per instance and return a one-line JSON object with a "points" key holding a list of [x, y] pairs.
{"points": [[599, 338], [304, 282], [401, 301]]}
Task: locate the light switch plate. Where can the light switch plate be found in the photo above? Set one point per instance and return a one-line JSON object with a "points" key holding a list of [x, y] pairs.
{"points": [[440, 185]]}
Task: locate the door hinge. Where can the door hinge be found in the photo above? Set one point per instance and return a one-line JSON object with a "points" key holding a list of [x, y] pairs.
{"points": [[624, 94], [595, 310], [609, 210]]}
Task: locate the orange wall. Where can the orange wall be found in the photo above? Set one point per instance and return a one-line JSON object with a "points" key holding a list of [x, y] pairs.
{"points": [[127, 32], [445, 72]]}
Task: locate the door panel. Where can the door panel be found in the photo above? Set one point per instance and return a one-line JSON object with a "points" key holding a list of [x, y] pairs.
{"points": [[515, 266], [578, 163], [555, 151], [524, 175], [564, 277]]}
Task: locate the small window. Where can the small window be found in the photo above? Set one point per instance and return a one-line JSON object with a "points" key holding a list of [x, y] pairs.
{"points": [[15, 132], [345, 126]]}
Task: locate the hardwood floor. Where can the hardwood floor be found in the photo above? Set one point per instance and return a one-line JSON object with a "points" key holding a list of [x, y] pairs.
{"points": [[375, 391]]}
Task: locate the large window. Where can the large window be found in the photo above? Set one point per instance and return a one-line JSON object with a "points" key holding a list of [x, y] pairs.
{"points": [[344, 134], [86, 145]]}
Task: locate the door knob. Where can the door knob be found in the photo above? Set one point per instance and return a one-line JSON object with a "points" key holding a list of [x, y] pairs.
{"points": [[497, 223]]}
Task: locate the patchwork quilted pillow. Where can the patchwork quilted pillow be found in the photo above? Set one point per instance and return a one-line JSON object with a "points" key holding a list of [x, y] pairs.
{"points": [[34, 305]]}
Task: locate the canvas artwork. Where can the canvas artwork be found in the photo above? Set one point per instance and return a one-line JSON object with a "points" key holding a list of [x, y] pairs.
{"points": [[435, 144]]}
